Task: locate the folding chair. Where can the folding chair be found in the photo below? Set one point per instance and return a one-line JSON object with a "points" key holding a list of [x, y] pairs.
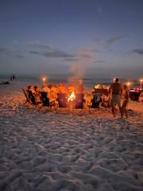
{"points": [[96, 100], [79, 101], [62, 100], [44, 99], [26, 96], [30, 98]]}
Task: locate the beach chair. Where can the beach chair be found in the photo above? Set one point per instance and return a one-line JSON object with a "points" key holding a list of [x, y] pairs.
{"points": [[100, 97], [106, 101], [96, 100], [29, 96], [62, 100], [79, 101], [26, 96], [44, 99], [134, 96]]}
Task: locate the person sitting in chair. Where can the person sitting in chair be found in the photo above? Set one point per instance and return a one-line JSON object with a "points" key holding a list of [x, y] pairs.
{"points": [[79, 102], [44, 99], [105, 100], [36, 92], [53, 96], [30, 94], [95, 100], [62, 95]]}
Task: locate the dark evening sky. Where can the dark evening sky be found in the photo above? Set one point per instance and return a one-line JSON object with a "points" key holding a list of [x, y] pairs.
{"points": [[99, 37]]}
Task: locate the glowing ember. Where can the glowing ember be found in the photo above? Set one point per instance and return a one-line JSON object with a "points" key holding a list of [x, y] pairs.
{"points": [[71, 97]]}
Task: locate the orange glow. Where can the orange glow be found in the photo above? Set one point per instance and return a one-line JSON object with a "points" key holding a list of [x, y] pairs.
{"points": [[71, 97], [114, 79], [44, 79], [128, 84], [141, 80]]}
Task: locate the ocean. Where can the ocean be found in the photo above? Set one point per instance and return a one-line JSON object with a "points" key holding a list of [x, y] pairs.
{"points": [[88, 81]]}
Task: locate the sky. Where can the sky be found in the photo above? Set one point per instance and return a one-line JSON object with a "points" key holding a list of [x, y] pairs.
{"points": [[86, 37]]}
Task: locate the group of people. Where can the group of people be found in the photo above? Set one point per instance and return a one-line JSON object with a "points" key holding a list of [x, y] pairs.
{"points": [[12, 77], [117, 95], [54, 90]]}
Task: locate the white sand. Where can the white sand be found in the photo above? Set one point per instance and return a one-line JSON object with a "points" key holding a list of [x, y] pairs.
{"points": [[68, 151]]}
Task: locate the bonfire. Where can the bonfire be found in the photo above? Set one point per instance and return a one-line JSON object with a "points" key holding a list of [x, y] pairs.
{"points": [[71, 97], [71, 100]]}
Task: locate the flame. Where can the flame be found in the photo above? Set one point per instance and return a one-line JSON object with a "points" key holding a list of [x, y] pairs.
{"points": [[71, 97]]}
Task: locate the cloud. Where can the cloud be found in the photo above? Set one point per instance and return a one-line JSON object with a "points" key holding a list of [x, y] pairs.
{"points": [[115, 39], [47, 51], [83, 61], [10, 52], [138, 51], [57, 54], [99, 61], [72, 59], [82, 54], [39, 45], [34, 52], [19, 56], [4, 50]]}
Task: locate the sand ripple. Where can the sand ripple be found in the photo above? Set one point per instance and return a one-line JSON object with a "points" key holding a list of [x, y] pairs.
{"points": [[80, 151]]}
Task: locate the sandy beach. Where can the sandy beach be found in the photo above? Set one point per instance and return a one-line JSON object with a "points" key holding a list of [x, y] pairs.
{"points": [[80, 150]]}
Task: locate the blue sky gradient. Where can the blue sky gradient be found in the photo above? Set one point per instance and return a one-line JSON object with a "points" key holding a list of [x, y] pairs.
{"points": [[97, 37]]}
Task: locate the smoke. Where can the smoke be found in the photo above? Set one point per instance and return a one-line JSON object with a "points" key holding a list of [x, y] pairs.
{"points": [[84, 60]]}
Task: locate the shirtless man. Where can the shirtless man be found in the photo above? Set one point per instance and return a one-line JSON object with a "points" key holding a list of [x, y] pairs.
{"points": [[115, 90]]}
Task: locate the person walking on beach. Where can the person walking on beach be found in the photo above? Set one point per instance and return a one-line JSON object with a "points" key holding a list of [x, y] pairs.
{"points": [[115, 90], [124, 101]]}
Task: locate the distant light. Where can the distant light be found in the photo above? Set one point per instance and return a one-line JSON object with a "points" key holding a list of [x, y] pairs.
{"points": [[114, 79], [141, 84], [44, 79], [128, 84]]}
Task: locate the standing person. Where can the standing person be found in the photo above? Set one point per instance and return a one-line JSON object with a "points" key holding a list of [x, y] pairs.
{"points": [[115, 90], [124, 101]]}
